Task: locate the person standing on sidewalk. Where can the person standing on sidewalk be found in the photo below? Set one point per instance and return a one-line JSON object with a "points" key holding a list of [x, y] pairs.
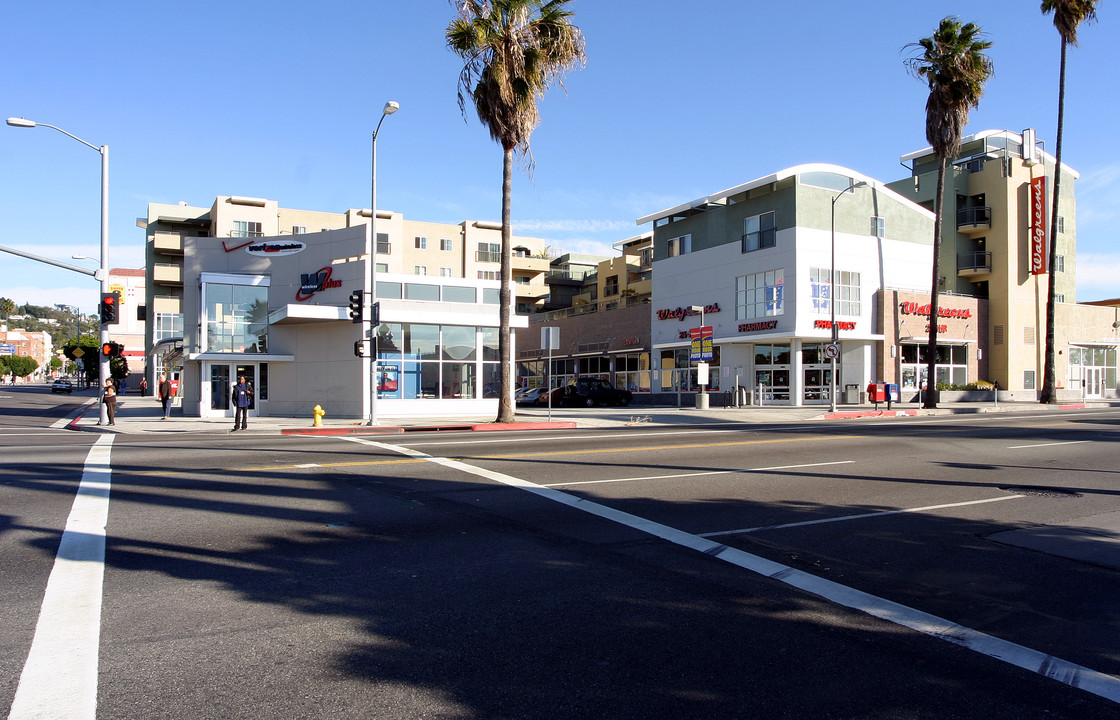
{"points": [[110, 401], [242, 398], [143, 386], [165, 394]]}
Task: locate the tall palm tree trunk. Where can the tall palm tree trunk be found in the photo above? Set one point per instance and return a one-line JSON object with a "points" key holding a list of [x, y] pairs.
{"points": [[930, 399], [505, 408], [1049, 392]]}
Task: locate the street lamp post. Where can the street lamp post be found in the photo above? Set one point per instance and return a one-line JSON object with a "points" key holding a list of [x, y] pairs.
{"points": [[390, 108], [102, 272], [832, 294]]}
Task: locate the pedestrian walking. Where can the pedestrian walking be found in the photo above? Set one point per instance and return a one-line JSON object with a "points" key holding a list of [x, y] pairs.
{"points": [[165, 393], [242, 398], [110, 401], [143, 386]]}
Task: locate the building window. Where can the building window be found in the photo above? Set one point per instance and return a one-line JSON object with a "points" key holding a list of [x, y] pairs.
{"points": [[848, 298], [951, 365], [759, 295], [1060, 263], [489, 252], [610, 286], [166, 326], [446, 244], [1059, 297], [1028, 380], [235, 318], [680, 245], [244, 228], [299, 229], [383, 247], [421, 243], [445, 272], [437, 361], [759, 232], [1061, 224], [878, 227], [419, 269], [646, 258], [488, 275]]}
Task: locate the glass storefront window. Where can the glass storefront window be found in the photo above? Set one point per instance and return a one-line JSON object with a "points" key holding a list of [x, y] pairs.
{"points": [[236, 318], [458, 342]]}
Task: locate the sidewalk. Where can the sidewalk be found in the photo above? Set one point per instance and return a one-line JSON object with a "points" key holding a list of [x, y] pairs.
{"points": [[136, 415]]}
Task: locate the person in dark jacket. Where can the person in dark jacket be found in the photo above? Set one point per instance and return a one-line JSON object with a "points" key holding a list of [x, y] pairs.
{"points": [[242, 398], [110, 400], [165, 394]]}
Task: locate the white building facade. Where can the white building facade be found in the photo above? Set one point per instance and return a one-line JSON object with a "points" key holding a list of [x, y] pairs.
{"points": [[758, 258], [276, 310]]}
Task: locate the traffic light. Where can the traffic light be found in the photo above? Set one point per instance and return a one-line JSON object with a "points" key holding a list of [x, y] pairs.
{"points": [[110, 308], [112, 349], [359, 348], [356, 306]]}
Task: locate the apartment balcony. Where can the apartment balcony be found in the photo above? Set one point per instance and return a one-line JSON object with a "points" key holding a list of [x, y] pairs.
{"points": [[530, 264], [168, 243], [167, 274], [974, 220], [974, 264], [531, 290]]}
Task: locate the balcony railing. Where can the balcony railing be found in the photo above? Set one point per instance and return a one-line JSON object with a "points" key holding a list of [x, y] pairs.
{"points": [[974, 217], [974, 263], [485, 256]]}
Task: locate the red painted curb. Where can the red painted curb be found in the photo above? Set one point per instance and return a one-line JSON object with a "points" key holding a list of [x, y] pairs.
{"points": [[396, 430], [869, 413], [375, 430], [524, 426]]}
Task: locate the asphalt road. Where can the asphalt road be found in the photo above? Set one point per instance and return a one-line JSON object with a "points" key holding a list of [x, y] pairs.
{"points": [[635, 573]]}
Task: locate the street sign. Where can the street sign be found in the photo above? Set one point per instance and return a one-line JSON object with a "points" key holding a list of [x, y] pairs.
{"points": [[701, 350], [7, 349], [832, 351], [550, 338], [78, 352]]}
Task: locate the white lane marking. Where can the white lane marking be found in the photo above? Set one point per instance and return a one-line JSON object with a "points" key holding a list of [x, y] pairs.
{"points": [[1078, 676], [309, 465], [697, 474], [861, 516], [1071, 442], [59, 679]]}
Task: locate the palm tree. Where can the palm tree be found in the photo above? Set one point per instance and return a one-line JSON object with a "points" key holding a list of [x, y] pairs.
{"points": [[954, 65], [514, 51], [1068, 15], [7, 306]]}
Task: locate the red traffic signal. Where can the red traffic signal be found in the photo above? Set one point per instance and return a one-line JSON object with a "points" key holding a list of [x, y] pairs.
{"points": [[110, 308], [111, 349]]}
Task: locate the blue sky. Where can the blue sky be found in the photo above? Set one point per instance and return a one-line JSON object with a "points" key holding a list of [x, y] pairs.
{"points": [[677, 100]]}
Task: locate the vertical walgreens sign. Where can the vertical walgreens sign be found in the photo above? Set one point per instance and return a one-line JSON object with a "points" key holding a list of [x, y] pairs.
{"points": [[1038, 226]]}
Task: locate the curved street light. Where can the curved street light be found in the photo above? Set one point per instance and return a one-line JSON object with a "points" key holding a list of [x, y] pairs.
{"points": [[832, 291], [104, 269], [390, 108]]}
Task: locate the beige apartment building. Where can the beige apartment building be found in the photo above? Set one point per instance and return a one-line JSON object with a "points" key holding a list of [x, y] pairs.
{"points": [[998, 184]]}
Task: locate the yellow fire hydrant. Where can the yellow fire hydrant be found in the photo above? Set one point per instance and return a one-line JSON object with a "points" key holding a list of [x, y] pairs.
{"points": [[319, 413]]}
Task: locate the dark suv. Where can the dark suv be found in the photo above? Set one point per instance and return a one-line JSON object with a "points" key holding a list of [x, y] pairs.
{"points": [[589, 392]]}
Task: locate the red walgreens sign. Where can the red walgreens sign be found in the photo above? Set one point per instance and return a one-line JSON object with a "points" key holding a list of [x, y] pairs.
{"points": [[1038, 226]]}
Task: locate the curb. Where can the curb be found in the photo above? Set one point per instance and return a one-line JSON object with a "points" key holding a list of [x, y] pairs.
{"points": [[869, 413], [397, 430]]}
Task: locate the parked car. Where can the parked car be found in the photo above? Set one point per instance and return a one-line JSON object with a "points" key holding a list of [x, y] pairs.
{"points": [[529, 396], [589, 392], [62, 384]]}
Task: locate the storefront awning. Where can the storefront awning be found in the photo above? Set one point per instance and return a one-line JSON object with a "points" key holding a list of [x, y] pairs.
{"points": [[295, 313], [940, 340], [240, 357]]}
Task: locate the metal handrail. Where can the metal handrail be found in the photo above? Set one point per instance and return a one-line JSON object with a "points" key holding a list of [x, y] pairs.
{"points": [[974, 216], [978, 260]]}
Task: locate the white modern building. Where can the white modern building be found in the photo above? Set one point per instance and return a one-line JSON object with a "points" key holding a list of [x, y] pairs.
{"points": [[276, 310], [758, 259]]}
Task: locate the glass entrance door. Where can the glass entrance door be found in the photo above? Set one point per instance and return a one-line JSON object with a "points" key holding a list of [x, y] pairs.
{"points": [[817, 385], [1094, 382], [223, 376]]}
